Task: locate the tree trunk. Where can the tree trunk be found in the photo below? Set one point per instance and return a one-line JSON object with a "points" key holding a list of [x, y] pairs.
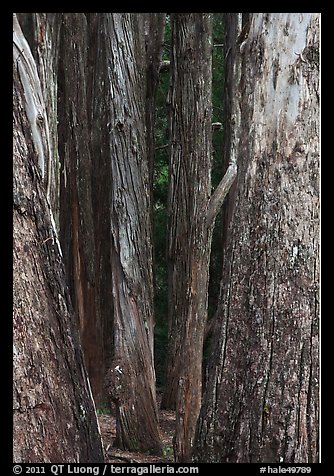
{"points": [[98, 95], [233, 25], [261, 402], [93, 76], [76, 203], [54, 414], [62, 45], [42, 33], [131, 378], [191, 218]]}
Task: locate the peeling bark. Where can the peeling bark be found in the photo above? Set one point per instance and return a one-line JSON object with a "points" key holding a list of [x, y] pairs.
{"points": [[261, 402], [42, 32], [54, 414], [131, 246]]}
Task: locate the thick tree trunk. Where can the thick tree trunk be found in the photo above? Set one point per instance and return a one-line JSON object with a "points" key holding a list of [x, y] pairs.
{"points": [[131, 378], [61, 45], [54, 414], [261, 403], [98, 94]]}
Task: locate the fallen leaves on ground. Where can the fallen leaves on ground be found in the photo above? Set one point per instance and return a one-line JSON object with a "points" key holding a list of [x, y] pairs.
{"points": [[116, 455]]}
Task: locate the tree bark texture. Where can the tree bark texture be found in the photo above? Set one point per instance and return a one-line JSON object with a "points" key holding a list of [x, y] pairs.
{"points": [[189, 235], [131, 378], [98, 92], [76, 198], [105, 87], [261, 402], [232, 69], [54, 414], [64, 47], [42, 33]]}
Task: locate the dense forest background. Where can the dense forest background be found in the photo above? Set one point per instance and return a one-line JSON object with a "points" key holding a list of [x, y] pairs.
{"points": [[166, 235]]}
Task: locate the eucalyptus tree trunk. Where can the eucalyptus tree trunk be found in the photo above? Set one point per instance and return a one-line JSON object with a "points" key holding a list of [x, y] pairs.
{"points": [[191, 219], [54, 414], [261, 401], [42, 31], [61, 45], [131, 378]]}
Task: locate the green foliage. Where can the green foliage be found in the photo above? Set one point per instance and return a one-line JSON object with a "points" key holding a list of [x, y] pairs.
{"points": [[217, 159], [103, 411], [167, 451], [160, 194]]}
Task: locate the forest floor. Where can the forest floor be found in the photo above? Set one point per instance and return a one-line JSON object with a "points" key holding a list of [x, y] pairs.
{"points": [[116, 455]]}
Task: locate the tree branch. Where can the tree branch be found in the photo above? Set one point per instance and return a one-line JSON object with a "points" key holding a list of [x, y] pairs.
{"points": [[164, 66], [216, 126], [217, 198], [162, 147]]}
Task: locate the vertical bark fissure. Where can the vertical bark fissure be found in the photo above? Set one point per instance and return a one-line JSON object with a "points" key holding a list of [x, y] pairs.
{"points": [[188, 243], [309, 400], [265, 408], [132, 389], [300, 387]]}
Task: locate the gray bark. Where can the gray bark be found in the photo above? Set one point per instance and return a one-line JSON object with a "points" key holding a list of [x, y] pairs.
{"points": [[261, 402], [131, 378], [106, 74], [54, 415]]}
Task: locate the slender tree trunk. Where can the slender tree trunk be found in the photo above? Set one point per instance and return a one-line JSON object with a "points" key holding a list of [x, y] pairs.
{"points": [[76, 207], [54, 414], [99, 98], [233, 25], [131, 378], [189, 186], [191, 218], [261, 402]]}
